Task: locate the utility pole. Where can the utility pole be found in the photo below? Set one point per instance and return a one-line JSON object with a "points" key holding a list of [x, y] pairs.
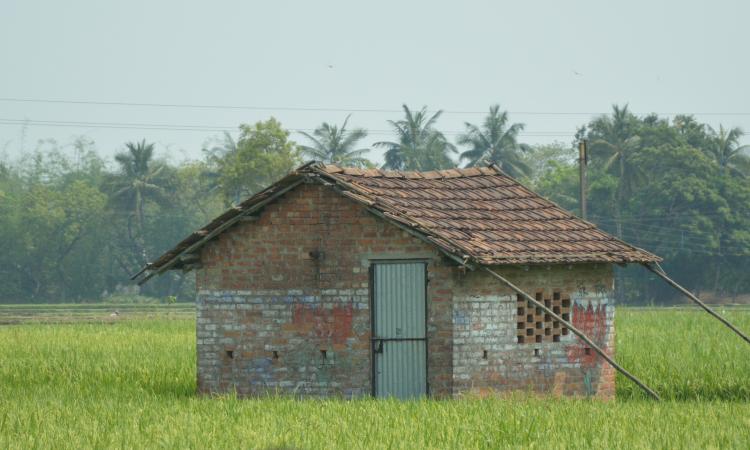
{"points": [[583, 160]]}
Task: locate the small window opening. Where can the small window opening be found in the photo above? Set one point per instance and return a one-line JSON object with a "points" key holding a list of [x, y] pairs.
{"points": [[275, 354], [323, 353], [587, 350], [531, 318], [536, 352], [484, 354], [230, 354]]}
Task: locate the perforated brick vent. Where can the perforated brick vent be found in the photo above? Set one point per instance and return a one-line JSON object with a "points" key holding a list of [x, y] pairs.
{"points": [[534, 326]]}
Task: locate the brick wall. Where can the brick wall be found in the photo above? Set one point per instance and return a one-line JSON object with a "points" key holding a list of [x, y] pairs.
{"points": [[487, 356], [283, 303], [283, 306]]}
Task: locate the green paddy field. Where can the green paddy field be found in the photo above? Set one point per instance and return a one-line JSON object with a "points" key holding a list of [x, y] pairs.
{"points": [[77, 377]]}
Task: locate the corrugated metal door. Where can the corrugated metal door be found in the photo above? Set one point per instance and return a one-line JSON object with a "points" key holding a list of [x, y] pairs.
{"points": [[399, 334]]}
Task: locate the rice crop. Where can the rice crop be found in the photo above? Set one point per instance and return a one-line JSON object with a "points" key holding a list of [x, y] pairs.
{"points": [[131, 384]]}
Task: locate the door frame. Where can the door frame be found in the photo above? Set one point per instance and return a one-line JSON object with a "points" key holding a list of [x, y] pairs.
{"points": [[371, 284]]}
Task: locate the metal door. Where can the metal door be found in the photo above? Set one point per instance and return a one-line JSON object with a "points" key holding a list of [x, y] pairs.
{"points": [[399, 331]]}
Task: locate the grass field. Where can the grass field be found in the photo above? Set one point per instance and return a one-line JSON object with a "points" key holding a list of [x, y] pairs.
{"points": [[131, 383]]}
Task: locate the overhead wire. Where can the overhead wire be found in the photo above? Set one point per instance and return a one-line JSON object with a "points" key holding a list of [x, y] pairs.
{"points": [[335, 109], [209, 128]]}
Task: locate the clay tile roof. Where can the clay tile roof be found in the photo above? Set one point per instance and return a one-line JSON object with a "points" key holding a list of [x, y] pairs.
{"points": [[478, 214], [486, 215]]}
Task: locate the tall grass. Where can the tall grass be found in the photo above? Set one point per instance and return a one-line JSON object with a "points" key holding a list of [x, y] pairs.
{"points": [[131, 385]]}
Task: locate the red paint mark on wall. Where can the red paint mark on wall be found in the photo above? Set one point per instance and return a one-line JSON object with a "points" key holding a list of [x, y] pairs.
{"points": [[334, 323], [593, 323]]}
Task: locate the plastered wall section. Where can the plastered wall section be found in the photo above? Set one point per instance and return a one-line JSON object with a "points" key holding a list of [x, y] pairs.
{"points": [[487, 357], [283, 303]]}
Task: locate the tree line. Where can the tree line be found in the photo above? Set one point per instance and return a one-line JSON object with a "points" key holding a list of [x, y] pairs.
{"points": [[75, 227]]}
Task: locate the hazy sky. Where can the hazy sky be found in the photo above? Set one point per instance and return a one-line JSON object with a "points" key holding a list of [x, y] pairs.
{"points": [[551, 57]]}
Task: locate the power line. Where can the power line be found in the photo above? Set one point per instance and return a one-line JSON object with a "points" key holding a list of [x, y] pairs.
{"points": [[331, 109], [213, 128]]}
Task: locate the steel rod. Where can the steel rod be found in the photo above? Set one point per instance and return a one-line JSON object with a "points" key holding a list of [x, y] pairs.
{"points": [[656, 268]]}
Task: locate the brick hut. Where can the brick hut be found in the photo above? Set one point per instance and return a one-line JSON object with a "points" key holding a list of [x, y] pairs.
{"points": [[350, 282]]}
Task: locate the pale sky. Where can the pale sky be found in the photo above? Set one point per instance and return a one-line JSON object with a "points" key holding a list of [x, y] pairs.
{"points": [[307, 62]]}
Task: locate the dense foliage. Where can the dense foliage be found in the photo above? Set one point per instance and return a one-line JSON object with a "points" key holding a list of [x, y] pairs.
{"points": [[75, 227]]}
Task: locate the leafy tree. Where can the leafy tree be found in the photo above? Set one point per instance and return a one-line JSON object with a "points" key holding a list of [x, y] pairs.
{"points": [[546, 158], [496, 141], [264, 154], [334, 145], [418, 146]]}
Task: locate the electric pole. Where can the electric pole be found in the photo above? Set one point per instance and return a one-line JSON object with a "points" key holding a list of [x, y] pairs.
{"points": [[582, 163]]}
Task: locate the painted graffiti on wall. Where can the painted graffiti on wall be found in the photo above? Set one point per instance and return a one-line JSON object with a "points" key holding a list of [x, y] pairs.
{"points": [[326, 323], [592, 321]]}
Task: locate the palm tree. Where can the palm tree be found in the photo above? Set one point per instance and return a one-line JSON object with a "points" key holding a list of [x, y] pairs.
{"points": [[419, 146], [216, 158], [615, 138], [138, 181], [726, 150], [335, 145], [495, 142]]}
